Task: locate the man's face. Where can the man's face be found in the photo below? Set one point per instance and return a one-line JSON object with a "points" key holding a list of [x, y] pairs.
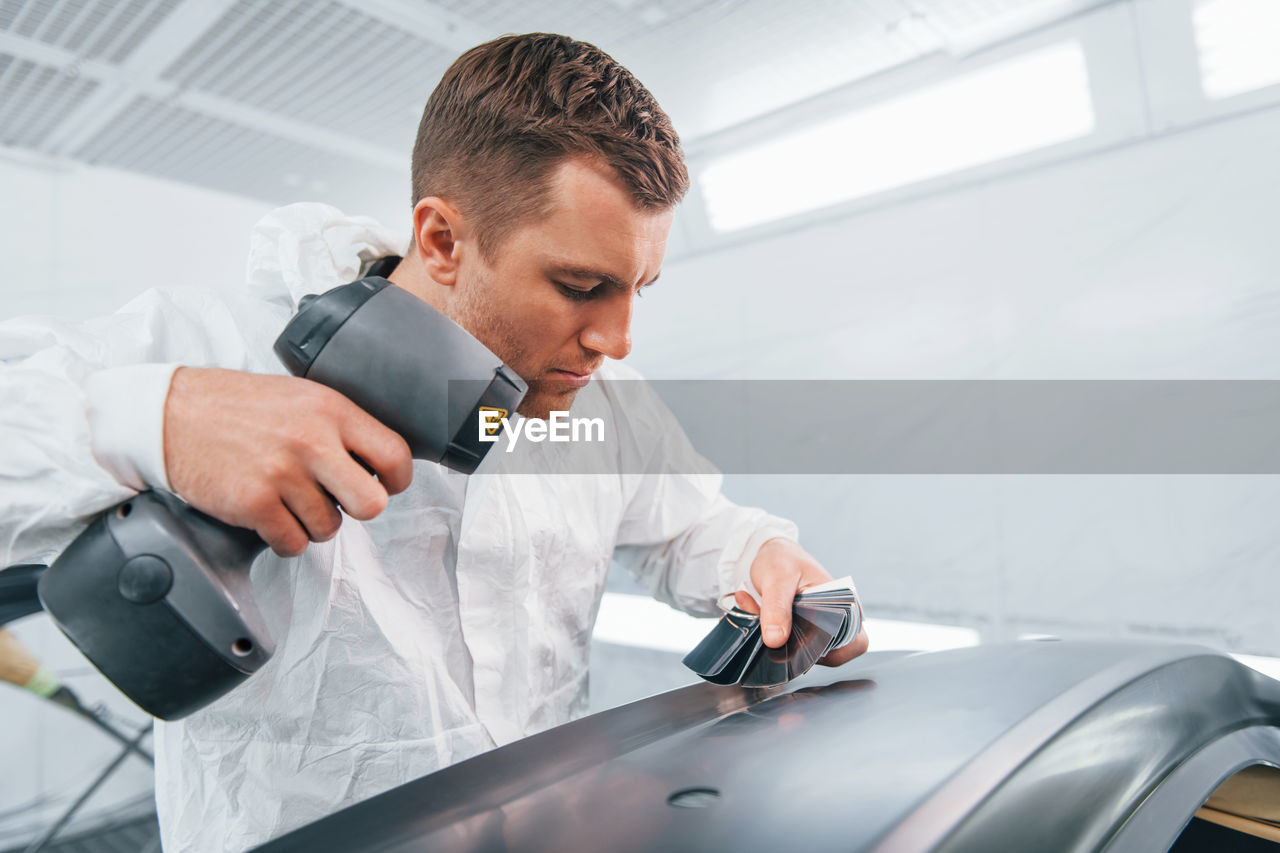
{"points": [[558, 295]]}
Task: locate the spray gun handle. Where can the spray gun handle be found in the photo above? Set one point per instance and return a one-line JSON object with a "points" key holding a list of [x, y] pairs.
{"points": [[157, 574]]}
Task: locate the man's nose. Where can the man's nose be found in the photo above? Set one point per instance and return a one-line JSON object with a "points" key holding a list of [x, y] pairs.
{"points": [[609, 330]]}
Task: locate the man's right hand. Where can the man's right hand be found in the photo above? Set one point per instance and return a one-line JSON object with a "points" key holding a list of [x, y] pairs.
{"points": [[273, 453]]}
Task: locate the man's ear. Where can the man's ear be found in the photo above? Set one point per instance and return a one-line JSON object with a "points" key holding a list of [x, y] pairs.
{"points": [[437, 230]]}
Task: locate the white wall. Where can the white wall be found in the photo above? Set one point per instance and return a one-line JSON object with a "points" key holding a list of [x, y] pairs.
{"points": [[81, 241], [1156, 260]]}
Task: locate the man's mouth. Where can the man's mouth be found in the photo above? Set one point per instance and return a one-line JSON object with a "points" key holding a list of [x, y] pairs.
{"points": [[570, 377]]}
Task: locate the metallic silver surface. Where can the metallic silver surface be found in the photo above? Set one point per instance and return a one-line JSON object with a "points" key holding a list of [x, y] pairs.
{"points": [[1155, 826], [1031, 745]]}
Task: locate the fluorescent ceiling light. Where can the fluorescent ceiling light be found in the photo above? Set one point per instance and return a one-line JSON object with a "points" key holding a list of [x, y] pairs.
{"points": [[1031, 102], [1238, 44]]}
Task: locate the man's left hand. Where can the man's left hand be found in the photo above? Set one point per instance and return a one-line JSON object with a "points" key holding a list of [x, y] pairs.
{"points": [[780, 570]]}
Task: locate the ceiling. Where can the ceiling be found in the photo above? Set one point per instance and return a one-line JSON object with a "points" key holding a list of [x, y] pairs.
{"points": [[282, 100]]}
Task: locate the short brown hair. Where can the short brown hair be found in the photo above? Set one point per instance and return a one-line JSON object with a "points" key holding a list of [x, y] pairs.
{"points": [[509, 111]]}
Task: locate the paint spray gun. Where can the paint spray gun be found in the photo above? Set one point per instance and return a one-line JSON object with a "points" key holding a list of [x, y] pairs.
{"points": [[157, 594]]}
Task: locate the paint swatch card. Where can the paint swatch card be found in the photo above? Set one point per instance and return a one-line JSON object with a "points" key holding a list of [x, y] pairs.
{"points": [[823, 618]]}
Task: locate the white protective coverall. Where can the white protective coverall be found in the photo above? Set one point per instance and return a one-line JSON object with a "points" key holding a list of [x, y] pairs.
{"points": [[404, 644]]}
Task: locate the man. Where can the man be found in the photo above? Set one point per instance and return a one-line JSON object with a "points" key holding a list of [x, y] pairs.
{"points": [[456, 617]]}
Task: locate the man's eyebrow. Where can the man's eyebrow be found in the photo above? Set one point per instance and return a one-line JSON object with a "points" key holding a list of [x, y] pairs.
{"points": [[588, 274]]}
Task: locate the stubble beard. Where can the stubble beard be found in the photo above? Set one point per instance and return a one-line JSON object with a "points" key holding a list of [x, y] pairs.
{"points": [[474, 313]]}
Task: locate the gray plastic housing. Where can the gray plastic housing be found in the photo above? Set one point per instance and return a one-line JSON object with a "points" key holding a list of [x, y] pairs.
{"points": [[177, 635], [405, 363], [157, 595]]}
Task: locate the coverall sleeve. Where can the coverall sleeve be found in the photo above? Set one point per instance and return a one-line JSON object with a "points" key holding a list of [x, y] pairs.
{"points": [[82, 408], [680, 536]]}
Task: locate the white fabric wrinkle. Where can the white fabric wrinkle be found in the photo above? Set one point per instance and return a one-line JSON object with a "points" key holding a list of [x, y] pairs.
{"points": [[296, 246], [405, 643]]}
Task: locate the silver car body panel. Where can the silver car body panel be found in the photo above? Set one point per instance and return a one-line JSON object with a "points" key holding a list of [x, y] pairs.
{"points": [[1029, 745]]}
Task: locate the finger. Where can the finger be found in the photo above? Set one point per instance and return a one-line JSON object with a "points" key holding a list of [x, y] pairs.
{"points": [[378, 447], [314, 509], [813, 575], [355, 490], [846, 653], [778, 590], [743, 599], [284, 533]]}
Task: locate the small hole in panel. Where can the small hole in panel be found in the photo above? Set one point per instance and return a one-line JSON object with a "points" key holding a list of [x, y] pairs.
{"points": [[694, 798]]}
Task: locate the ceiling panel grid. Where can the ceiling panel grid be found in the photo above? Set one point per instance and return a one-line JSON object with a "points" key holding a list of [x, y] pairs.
{"points": [[224, 40], [600, 21], [93, 29], [269, 96], [180, 144], [36, 98], [321, 63], [605, 22]]}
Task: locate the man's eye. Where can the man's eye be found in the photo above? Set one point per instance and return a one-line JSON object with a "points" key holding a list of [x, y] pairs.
{"points": [[577, 294]]}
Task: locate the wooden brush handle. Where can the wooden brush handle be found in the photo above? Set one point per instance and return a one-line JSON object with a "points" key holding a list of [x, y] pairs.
{"points": [[17, 665]]}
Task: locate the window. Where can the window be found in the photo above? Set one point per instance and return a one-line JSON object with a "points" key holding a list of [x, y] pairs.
{"points": [[1238, 45], [1020, 105]]}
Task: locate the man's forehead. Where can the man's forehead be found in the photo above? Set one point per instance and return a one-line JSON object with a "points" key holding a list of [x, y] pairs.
{"points": [[587, 187], [591, 230]]}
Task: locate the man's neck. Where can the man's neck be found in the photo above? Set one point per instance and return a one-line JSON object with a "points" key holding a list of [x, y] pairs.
{"points": [[412, 276]]}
